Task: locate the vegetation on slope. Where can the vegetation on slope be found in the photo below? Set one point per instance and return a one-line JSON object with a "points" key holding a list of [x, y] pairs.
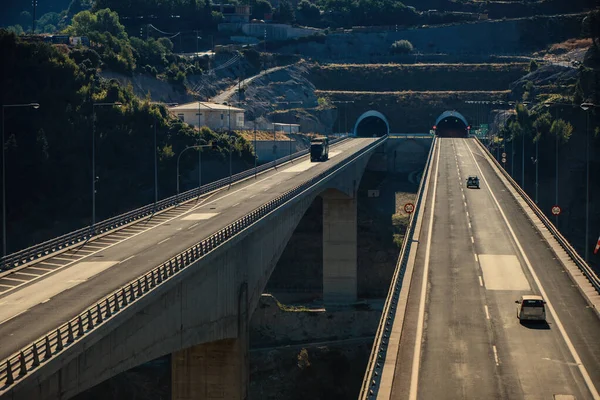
{"points": [[48, 150]]}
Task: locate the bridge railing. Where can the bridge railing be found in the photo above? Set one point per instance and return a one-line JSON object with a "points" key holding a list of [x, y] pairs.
{"points": [[372, 379], [587, 271], [84, 234], [47, 347]]}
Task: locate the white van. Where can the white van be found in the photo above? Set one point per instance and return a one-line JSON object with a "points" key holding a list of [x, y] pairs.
{"points": [[531, 307]]}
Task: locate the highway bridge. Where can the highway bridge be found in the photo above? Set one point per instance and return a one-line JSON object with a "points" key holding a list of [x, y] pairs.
{"points": [[449, 329], [183, 282]]}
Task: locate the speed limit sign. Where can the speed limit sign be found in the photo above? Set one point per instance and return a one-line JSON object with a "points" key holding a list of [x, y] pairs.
{"points": [[409, 208], [503, 159], [503, 155], [556, 210]]}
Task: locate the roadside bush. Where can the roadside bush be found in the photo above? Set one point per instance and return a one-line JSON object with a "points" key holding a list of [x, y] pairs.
{"points": [[401, 47]]}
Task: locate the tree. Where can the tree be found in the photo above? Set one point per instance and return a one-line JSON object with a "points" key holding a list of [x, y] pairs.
{"points": [[533, 66], [103, 21], [307, 12], [542, 125], [285, 13], [261, 8], [562, 129], [591, 27], [401, 47]]}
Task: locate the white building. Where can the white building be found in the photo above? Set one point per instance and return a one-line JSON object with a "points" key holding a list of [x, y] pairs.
{"points": [[286, 128], [213, 115]]}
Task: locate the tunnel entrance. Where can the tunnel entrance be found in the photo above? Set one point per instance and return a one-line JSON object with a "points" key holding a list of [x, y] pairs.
{"points": [[371, 124], [451, 124]]}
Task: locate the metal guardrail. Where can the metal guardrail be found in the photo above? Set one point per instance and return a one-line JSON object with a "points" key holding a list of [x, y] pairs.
{"points": [[372, 380], [84, 234], [579, 261], [45, 348]]}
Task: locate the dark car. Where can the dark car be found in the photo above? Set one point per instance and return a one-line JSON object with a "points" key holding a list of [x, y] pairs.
{"points": [[473, 181]]}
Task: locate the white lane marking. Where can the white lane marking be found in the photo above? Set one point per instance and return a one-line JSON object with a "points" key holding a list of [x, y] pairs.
{"points": [[54, 264], [414, 381], [470, 225], [15, 279], [8, 286], [14, 316], [586, 376], [487, 312], [267, 188], [42, 269], [26, 273], [20, 301], [496, 355], [472, 240], [480, 281], [162, 241], [467, 214], [45, 301], [465, 203], [476, 259], [252, 196], [127, 259], [235, 205], [63, 258], [193, 226], [199, 216]]}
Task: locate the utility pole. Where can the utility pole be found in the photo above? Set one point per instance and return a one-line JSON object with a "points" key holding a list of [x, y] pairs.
{"points": [[34, 3]]}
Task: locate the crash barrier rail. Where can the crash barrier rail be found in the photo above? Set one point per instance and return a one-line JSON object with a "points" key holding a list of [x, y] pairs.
{"points": [[85, 234], [579, 261], [372, 379], [45, 348]]}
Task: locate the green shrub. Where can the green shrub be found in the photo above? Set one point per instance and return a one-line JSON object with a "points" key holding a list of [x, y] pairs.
{"points": [[401, 47]]}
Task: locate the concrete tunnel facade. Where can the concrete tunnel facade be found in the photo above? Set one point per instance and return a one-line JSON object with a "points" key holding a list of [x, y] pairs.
{"points": [[451, 124], [371, 123]]}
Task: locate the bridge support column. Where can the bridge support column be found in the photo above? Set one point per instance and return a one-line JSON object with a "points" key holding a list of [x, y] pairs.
{"points": [[339, 248], [213, 370]]}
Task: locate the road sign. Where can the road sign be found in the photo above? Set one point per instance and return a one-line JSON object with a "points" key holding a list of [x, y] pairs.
{"points": [[409, 208], [503, 160], [556, 210], [503, 155]]}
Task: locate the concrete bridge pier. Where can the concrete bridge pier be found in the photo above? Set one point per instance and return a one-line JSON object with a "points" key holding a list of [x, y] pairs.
{"points": [[339, 247], [214, 370]]}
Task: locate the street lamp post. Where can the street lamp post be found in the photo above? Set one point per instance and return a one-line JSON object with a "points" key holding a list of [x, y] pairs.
{"points": [[34, 106], [290, 124], [586, 107], [199, 165], [156, 151], [94, 177]]}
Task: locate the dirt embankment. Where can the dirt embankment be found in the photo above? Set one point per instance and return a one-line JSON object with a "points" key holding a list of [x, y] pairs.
{"points": [[417, 77]]}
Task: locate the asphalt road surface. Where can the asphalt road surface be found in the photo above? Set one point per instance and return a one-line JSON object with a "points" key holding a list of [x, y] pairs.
{"points": [[462, 338], [39, 298]]}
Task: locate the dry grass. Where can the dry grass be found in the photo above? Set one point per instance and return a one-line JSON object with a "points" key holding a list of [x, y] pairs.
{"points": [[268, 135], [569, 45]]}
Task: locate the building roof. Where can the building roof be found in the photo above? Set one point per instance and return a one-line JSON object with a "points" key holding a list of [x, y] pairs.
{"points": [[284, 124], [204, 106]]}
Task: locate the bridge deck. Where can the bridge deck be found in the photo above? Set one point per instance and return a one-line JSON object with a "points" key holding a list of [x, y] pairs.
{"points": [[39, 298], [473, 346]]}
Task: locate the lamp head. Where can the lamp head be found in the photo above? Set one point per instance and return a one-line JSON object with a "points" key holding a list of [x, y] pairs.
{"points": [[586, 106], [35, 105]]}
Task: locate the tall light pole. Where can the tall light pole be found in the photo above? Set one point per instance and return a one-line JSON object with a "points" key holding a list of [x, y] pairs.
{"points": [[586, 107], [34, 106], [94, 177], [156, 150], [290, 124], [549, 104], [199, 147], [345, 113], [512, 148]]}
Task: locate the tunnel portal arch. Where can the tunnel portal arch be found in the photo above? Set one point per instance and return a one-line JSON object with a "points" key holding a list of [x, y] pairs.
{"points": [[451, 124], [371, 123]]}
